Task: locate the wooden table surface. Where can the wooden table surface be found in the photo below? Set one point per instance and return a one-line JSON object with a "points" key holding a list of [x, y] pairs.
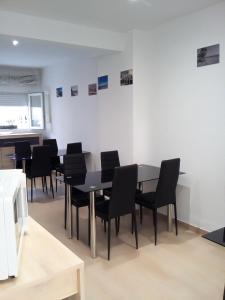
{"points": [[48, 270]]}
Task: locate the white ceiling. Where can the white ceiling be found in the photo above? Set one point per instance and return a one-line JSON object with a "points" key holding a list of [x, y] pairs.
{"points": [[37, 53], [118, 15]]}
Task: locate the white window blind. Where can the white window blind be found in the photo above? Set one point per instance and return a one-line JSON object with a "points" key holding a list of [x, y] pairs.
{"points": [[13, 99]]}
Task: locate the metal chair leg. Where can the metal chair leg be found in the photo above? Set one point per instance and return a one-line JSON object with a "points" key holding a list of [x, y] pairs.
{"points": [[135, 229], [77, 221], [109, 237], [175, 215], [155, 224], [51, 185], [31, 183]]}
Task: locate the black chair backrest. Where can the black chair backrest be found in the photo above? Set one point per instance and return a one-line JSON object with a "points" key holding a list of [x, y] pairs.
{"points": [[74, 164], [110, 160], [124, 185], [52, 143], [74, 148], [22, 149], [41, 161], [166, 187]]}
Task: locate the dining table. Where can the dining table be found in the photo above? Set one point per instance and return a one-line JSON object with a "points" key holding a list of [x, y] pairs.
{"points": [[24, 158], [96, 181]]}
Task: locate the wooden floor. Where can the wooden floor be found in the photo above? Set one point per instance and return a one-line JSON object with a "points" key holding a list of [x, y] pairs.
{"points": [[183, 267]]}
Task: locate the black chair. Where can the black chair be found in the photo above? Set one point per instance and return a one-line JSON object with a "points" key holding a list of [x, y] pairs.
{"points": [[22, 150], [122, 200], [39, 166], [165, 193], [55, 159], [109, 160], [74, 148], [75, 166]]}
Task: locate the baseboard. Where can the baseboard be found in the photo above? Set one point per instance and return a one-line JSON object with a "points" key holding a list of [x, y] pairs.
{"points": [[186, 225]]}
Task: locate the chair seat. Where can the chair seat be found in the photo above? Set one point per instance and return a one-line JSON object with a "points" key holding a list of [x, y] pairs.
{"points": [[146, 199], [55, 162], [102, 210], [81, 199]]}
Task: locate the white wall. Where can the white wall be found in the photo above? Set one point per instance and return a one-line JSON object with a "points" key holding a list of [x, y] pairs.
{"points": [[179, 110], [115, 105], [74, 119]]}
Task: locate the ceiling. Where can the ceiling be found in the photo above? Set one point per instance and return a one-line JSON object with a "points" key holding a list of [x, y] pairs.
{"points": [[37, 53], [117, 15]]}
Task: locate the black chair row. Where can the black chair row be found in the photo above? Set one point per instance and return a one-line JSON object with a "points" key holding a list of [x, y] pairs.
{"points": [[44, 160]]}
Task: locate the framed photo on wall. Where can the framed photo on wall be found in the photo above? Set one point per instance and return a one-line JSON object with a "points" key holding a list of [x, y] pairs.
{"points": [[74, 90], [103, 82], [59, 92], [208, 55], [92, 89], [126, 77]]}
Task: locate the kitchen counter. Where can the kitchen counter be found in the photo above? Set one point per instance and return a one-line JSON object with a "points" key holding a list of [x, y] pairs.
{"points": [[7, 145]]}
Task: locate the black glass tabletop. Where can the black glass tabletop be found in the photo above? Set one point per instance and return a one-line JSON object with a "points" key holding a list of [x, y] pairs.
{"points": [[62, 152], [100, 180]]}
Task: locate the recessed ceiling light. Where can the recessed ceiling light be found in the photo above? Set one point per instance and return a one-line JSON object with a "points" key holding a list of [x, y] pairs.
{"points": [[15, 43], [145, 2]]}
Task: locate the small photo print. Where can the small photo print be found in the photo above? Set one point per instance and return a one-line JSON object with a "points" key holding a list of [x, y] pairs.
{"points": [[59, 92], [103, 82], [208, 55], [126, 77], [74, 90], [92, 89]]}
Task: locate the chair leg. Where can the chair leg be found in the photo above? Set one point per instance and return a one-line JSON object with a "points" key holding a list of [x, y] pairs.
{"points": [[46, 185], [155, 224], [118, 224], [42, 180], [135, 228], [104, 225], [175, 214], [31, 191], [51, 185], [109, 236], [65, 211], [89, 226], [77, 221], [34, 183], [132, 224], [141, 214], [56, 174]]}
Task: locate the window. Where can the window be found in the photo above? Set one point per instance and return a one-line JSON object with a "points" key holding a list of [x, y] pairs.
{"points": [[36, 116], [21, 111]]}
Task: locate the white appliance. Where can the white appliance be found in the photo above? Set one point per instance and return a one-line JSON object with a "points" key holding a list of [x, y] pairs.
{"points": [[13, 220]]}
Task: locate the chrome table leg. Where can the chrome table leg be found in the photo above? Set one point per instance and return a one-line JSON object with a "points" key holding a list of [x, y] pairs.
{"points": [[93, 224], [69, 211], [169, 217]]}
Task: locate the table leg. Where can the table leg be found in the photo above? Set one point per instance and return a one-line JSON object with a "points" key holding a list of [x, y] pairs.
{"points": [[93, 224], [69, 211], [23, 164], [169, 217]]}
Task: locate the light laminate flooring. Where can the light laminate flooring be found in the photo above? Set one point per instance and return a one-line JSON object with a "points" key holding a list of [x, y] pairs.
{"points": [[183, 267]]}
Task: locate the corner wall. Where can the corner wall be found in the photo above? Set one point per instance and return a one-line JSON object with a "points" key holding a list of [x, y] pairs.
{"points": [[179, 110]]}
